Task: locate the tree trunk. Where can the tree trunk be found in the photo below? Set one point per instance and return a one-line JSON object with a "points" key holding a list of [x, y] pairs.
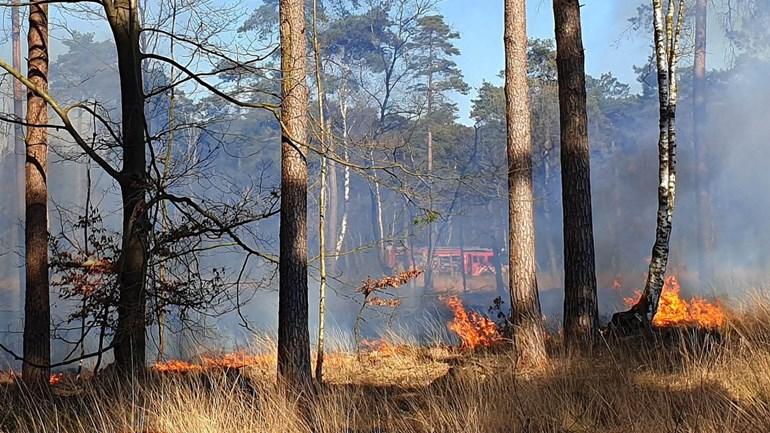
{"points": [[293, 334], [703, 198], [129, 341], [18, 144], [528, 330], [345, 201], [322, 206], [37, 310], [581, 315], [667, 33]]}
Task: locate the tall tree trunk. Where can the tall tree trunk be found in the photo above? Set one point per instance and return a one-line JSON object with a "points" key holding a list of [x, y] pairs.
{"points": [[18, 144], [528, 329], [703, 198], [667, 31], [322, 207], [129, 341], [581, 315], [293, 334], [37, 310]]}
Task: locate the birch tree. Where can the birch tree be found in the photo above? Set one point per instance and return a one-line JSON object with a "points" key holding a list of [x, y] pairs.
{"points": [[667, 29]]}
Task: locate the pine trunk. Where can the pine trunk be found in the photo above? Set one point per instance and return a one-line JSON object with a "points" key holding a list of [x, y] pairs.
{"points": [[293, 334], [703, 198], [528, 330], [37, 310], [581, 313]]}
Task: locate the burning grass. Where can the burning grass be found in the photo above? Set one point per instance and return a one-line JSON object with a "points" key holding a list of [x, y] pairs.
{"points": [[396, 387]]}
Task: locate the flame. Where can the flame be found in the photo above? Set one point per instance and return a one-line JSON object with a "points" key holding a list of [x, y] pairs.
{"points": [[673, 310], [55, 378], [234, 360], [473, 329]]}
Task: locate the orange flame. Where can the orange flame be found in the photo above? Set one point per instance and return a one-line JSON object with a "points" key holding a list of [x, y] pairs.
{"points": [[473, 329], [233, 360], [55, 378], [673, 310]]}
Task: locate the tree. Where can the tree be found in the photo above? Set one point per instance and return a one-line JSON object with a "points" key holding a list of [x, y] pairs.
{"points": [[581, 315], [437, 74], [434, 66], [129, 341], [293, 334], [526, 319], [702, 197], [37, 310], [322, 206], [667, 30]]}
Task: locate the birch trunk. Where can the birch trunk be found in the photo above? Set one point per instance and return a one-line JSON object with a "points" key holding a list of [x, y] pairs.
{"points": [[324, 138], [667, 31]]}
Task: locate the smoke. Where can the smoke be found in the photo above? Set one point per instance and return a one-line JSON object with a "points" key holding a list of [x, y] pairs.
{"points": [[624, 177]]}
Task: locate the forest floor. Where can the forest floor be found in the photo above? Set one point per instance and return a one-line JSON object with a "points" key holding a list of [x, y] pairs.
{"points": [[674, 382]]}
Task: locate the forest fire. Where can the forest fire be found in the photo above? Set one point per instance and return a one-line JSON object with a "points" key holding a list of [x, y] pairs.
{"points": [[473, 329], [234, 360], [673, 310]]}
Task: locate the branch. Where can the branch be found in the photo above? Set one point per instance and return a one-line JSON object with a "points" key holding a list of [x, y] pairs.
{"points": [[64, 116]]}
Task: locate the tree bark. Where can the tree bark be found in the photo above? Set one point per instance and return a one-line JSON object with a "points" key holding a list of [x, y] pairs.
{"points": [[129, 341], [667, 31], [581, 315], [703, 198], [322, 206], [293, 334], [37, 310], [528, 330]]}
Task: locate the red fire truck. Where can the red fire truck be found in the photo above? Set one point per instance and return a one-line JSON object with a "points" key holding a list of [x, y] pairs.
{"points": [[446, 260]]}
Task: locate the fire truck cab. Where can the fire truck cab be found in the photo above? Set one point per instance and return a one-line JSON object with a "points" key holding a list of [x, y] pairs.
{"points": [[446, 260]]}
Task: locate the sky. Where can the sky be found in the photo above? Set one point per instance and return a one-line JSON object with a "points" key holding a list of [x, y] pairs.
{"points": [[609, 44]]}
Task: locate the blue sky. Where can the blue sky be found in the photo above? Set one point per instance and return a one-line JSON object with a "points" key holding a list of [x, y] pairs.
{"points": [[609, 45]]}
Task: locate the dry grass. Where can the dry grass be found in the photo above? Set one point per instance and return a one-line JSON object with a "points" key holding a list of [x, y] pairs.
{"points": [[676, 385]]}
